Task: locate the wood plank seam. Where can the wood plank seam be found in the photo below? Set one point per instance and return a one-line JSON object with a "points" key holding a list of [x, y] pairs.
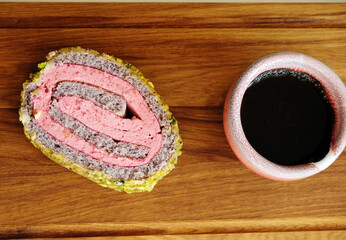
{"points": [[174, 228]]}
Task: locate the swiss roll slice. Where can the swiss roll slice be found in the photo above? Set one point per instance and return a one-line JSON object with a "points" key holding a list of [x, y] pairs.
{"points": [[99, 117]]}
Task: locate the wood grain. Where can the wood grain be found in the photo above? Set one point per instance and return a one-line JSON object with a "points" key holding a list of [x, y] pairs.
{"points": [[193, 53], [172, 15], [220, 189], [180, 62], [321, 235], [172, 228]]}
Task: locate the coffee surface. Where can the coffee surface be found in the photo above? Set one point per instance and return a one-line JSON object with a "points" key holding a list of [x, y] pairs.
{"points": [[287, 118]]}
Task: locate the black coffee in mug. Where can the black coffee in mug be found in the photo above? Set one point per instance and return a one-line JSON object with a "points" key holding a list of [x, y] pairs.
{"points": [[287, 118]]}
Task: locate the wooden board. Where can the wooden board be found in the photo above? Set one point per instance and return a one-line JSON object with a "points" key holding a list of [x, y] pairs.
{"points": [[193, 53], [321, 235]]}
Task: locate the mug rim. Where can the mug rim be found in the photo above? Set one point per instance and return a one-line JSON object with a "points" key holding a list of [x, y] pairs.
{"points": [[336, 93]]}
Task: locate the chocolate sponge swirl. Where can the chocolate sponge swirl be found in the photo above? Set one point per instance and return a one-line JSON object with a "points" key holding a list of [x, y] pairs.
{"points": [[98, 96], [99, 117]]}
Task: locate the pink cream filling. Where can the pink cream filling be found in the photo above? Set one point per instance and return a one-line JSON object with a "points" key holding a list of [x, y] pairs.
{"points": [[144, 131]]}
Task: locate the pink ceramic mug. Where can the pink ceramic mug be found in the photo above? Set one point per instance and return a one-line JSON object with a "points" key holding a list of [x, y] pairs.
{"points": [[336, 93]]}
